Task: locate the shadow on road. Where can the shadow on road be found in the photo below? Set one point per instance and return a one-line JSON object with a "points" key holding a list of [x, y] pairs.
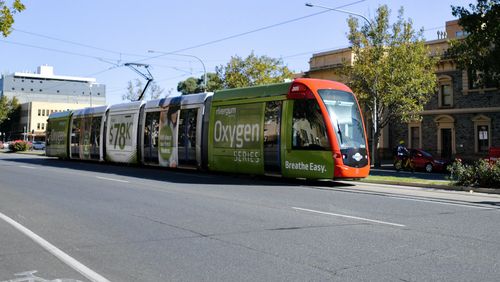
{"points": [[184, 176]]}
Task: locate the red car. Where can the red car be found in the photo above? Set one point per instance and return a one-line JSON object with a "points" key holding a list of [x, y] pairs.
{"points": [[425, 161]]}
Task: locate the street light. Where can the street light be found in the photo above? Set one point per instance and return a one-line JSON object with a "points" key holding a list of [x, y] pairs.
{"points": [[186, 55], [374, 146]]}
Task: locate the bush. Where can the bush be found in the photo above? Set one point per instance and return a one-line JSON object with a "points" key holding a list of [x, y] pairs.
{"points": [[19, 145], [481, 174]]}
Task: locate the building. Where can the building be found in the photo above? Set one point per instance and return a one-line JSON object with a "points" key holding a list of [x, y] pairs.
{"points": [[42, 93], [461, 120]]}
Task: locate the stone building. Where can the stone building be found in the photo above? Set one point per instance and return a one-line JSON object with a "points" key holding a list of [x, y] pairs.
{"points": [[461, 120]]}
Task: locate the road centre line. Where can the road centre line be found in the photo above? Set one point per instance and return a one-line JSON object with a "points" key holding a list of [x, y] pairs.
{"points": [[112, 179], [62, 256], [25, 166], [350, 217]]}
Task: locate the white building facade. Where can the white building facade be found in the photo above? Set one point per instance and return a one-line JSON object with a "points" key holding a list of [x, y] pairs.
{"points": [[43, 91]]}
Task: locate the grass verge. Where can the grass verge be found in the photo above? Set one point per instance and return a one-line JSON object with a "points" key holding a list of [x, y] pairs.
{"points": [[405, 180]]}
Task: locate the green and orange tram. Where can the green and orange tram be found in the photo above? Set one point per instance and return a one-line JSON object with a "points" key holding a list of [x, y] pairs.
{"points": [[306, 128]]}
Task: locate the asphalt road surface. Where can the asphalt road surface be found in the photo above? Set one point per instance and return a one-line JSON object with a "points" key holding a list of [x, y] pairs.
{"points": [[95, 222]]}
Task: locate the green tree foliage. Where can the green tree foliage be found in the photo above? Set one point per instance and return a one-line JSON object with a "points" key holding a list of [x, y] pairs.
{"points": [[7, 108], [135, 88], [392, 69], [196, 85], [10, 115], [7, 15], [251, 71], [479, 51]]}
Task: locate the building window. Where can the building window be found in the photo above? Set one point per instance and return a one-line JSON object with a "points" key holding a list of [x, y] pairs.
{"points": [[39, 112], [446, 95], [445, 98], [57, 91], [414, 131], [43, 126], [475, 77], [415, 137], [43, 112], [482, 133], [38, 126], [13, 88], [40, 90], [22, 89], [482, 138]]}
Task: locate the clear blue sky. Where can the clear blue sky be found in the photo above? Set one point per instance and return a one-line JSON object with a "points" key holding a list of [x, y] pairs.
{"points": [[86, 38]]}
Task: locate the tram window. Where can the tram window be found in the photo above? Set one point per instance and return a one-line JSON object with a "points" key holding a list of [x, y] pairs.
{"points": [[75, 137], [272, 122], [309, 131], [95, 133], [151, 130]]}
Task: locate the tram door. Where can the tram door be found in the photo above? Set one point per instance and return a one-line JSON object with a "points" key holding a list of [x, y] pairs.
{"points": [[186, 139], [272, 137]]}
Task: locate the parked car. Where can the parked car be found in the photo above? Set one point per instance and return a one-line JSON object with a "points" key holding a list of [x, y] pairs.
{"points": [[425, 161], [493, 155], [38, 145]]}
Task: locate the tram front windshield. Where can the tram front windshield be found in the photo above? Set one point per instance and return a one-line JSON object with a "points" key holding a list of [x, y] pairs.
{"points": [[345, 118]]}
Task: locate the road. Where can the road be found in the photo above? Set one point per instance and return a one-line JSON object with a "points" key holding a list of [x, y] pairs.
{"points": [[89, 221]]}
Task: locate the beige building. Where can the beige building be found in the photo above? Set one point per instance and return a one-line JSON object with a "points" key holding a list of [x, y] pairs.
{"points": [[34, 116]]}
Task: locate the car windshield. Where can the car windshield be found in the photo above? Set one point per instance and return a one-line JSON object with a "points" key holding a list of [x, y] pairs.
{"points": [[426, 154], [345, 117]]}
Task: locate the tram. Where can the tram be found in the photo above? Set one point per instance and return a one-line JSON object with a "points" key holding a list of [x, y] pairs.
{"points": [[307, 128]]}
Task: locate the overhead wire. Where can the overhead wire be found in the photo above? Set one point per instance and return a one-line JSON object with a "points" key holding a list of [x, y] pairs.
{"points": [[118, 62]]}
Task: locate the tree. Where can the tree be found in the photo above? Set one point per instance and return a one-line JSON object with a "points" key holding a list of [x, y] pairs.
{"points": [[7, 107], [10, 113], [393, 73], [479, 51], [196, 85], [135, 88], [251, 71], [7, 15]]}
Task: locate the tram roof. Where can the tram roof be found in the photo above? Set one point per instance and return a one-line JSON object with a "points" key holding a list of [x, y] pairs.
{"points": [[253, 92], [64, 114], [126, 106], [178, 100], [90, 111]]}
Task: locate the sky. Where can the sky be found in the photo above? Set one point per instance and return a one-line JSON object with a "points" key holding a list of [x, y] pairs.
{"points": [[94, 38]]}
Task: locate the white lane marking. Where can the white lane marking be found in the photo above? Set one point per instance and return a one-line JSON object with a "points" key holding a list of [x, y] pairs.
{"points": [[351, 217], [68, 260], [471, 205], [112, 179], [30, 167]]}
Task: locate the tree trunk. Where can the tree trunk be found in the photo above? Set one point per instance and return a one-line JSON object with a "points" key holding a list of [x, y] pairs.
{"points": [[375, 153]]}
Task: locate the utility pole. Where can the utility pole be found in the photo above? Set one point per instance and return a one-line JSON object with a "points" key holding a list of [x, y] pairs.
{"points": [[375, 102]]}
